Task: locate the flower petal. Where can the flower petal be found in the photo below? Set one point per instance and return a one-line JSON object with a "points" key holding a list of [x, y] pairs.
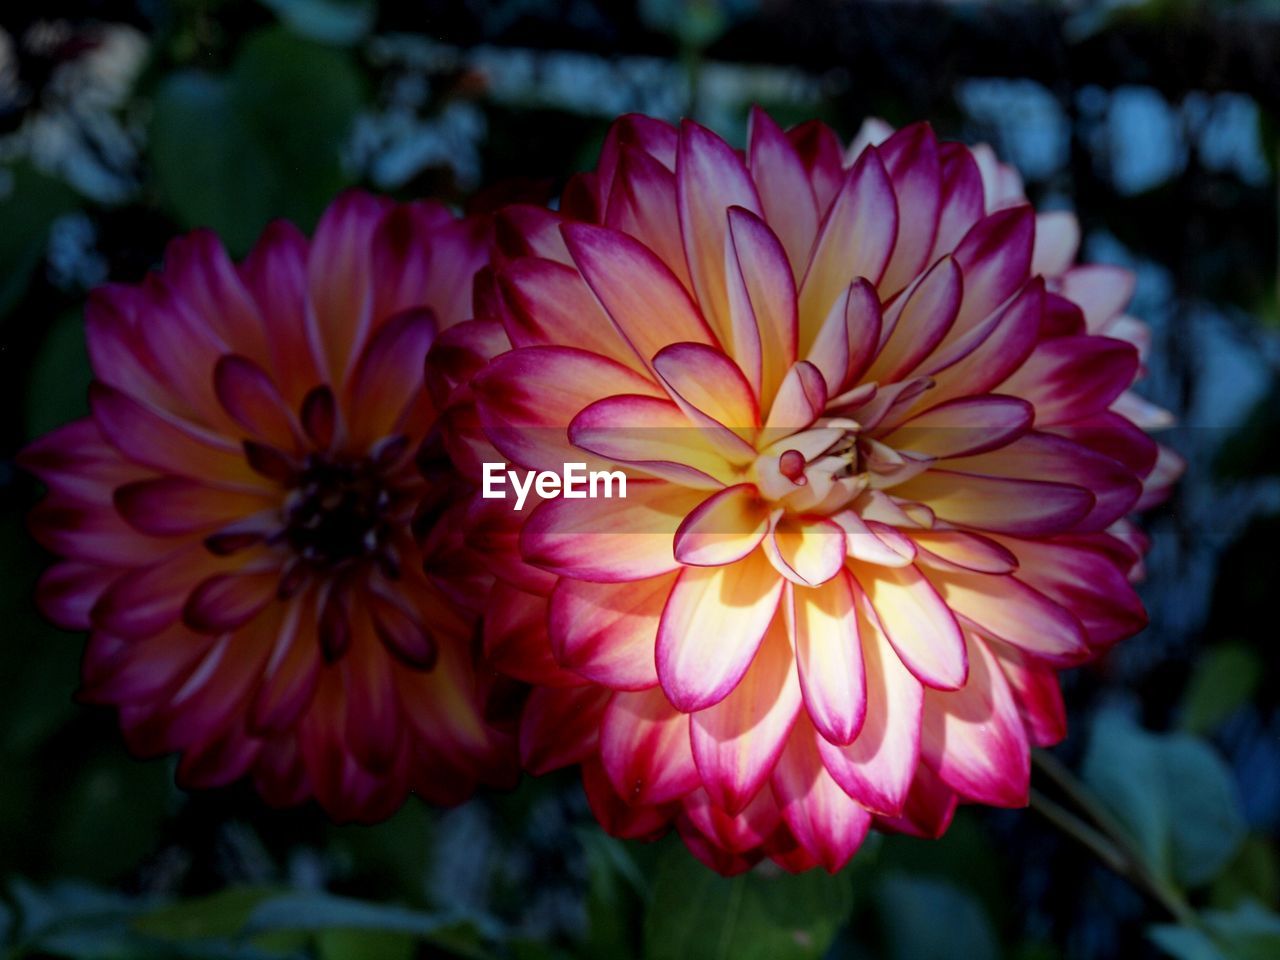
{"points": [[785, 194], [644, 745], [825, 820], [609, 540], [647, 304], [711, 628], [710, 178], [607, 632], [856, 240], [724, 528], [526, 399], [974, 738], [918, 623], [737, 741], [877, 768], [824, 631]]}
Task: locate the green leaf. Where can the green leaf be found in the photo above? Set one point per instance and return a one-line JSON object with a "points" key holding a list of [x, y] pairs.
{"points": [[316, 912], [329, 21], [29, 203], [924, 917], [1253, 874], [58, 388], [615, 890], [364, 945], [111, 815], [264, 141], [222, 914], [1184, 943], [1250, 932], [1173, 794], [1223, 679], [761, 915]]}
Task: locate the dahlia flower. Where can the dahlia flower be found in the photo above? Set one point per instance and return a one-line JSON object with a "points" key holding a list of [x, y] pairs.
{"points": [[234, 518], [880, 450]]}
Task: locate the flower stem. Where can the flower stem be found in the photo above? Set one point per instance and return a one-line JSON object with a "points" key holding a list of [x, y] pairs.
{"points": [[1107, 838]]}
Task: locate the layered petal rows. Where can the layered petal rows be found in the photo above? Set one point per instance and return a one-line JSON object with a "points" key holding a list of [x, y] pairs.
{"points": [[235, 518], [880, 450]]}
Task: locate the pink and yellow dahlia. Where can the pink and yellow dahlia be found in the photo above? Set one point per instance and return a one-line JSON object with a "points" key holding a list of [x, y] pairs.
{"points": [[234, 518], [880, 453]]}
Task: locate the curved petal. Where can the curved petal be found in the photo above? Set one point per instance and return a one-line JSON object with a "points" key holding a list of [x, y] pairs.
{"points": [[606, 540], [974, 738], [608, 632], [737, 741], [711, 628], [644, 745], [824, 632], [918, 623], [877, 768], [724, 528]]}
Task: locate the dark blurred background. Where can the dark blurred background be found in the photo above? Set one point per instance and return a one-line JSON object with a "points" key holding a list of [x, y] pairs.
{"points": [[123, 122]]}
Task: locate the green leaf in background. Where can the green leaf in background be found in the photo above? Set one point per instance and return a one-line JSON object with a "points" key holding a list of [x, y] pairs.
{"points": [[318, 912], [221, 914], [1172, 792], [924, 917], [1253, 875], [339, 22], [110, 815], [364, 945], [234, 152], [764, 914], [29, 203], [615, 891], [1185, 943], [1250, 932], [58, 387], [1224, 678]]}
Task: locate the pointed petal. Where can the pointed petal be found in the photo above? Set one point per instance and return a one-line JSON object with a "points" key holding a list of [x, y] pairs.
{"points": [[877, 768], [856, 240], [609, 540], [550, 304], [647, 304], [737, 741], [644, 745], [974, 738], [1006, 608], [607, 632], [711, 628], [710, 178], [964, 426], [785, 194], [824, 631], [825, 820], [919, 322], [995, 257], [526, 399], [911, 158], [762, 294], [724, 528], [653, 435], [918, 623]]}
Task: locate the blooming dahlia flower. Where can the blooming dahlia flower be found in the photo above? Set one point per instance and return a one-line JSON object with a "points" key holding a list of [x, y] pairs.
{"points": [[879, 451], [234, 517]]}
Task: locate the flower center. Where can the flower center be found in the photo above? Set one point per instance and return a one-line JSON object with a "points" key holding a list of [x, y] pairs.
{"points": [[338, 511]]}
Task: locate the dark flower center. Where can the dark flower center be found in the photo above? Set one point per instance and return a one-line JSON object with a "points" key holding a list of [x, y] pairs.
{"points": [[338, 511]]}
